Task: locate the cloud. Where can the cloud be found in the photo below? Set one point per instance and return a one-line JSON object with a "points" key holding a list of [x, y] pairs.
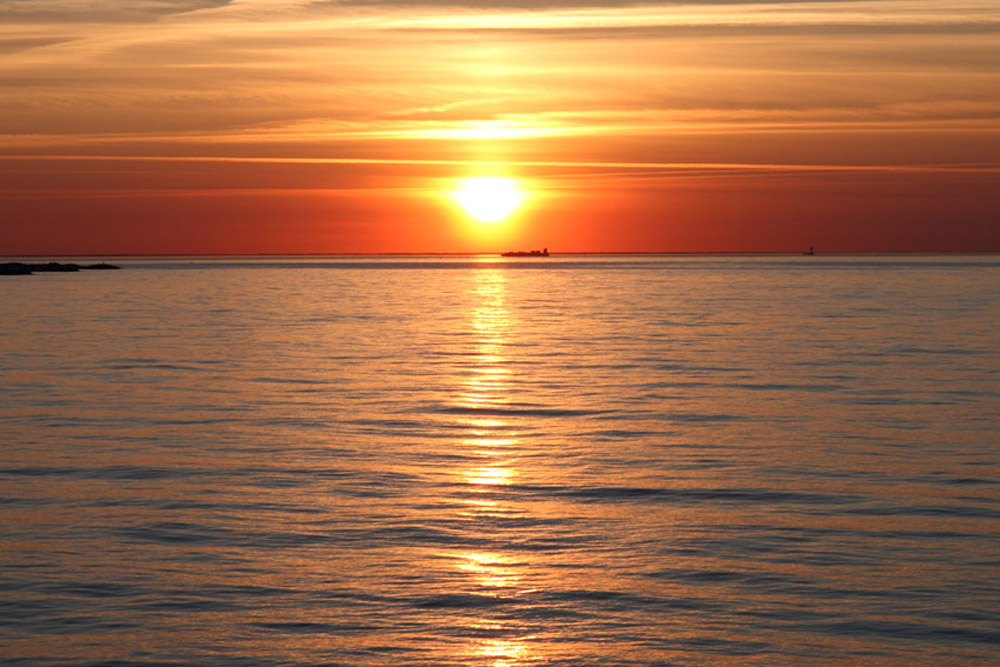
{"points": [[98, 11], [14, 45], [987, 168], [666, 30], [546, 5], [289, 75]]}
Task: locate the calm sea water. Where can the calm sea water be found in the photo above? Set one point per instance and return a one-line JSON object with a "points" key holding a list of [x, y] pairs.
{"points": [[475, 461]]}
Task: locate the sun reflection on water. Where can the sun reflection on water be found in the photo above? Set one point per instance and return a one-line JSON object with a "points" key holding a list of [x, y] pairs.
{"points": [[490, 476], [489, 570], [491, 449], [503, 652], [486, 384]]}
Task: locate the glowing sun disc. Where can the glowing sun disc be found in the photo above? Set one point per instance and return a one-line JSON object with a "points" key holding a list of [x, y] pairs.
{"points": [[489, 198]]}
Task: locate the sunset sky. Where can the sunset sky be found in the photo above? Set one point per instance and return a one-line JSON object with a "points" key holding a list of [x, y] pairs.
{"points": [[284, 126]]}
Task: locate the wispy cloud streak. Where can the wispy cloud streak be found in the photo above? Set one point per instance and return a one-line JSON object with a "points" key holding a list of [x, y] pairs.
{"points": [[666, 166]]}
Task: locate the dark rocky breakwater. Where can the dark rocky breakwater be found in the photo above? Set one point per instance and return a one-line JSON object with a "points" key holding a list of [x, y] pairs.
{"points": [[25, 269]]}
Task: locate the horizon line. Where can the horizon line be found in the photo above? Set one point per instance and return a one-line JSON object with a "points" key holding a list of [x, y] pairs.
{"points": [[666, 253]]}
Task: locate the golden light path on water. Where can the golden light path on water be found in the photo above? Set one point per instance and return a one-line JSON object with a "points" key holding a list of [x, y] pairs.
{"points": [[492, 444]]}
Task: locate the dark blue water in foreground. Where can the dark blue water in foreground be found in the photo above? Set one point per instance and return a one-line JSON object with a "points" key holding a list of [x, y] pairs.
{"points": [[467, 461]]}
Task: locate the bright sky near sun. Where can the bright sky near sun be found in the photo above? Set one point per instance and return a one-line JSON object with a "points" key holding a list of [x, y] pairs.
{"points": [[297, 126], [489, 198]]}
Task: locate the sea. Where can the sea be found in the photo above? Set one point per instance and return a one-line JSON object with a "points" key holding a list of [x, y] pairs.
{"points": [[503, 462]]}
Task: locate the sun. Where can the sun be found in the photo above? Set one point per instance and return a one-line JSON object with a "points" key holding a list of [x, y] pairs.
{"points": [[489, 198]]}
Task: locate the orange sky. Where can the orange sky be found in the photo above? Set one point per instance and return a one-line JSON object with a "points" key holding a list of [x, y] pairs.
{"points": [[290, 126]]}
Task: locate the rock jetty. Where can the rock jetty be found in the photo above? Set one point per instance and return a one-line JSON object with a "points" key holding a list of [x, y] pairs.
{"points": [[26, 269]]}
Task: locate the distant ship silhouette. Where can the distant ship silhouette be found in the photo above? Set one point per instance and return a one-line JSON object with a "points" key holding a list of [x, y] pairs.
{"points": [[544, 252], [811, 251]]}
